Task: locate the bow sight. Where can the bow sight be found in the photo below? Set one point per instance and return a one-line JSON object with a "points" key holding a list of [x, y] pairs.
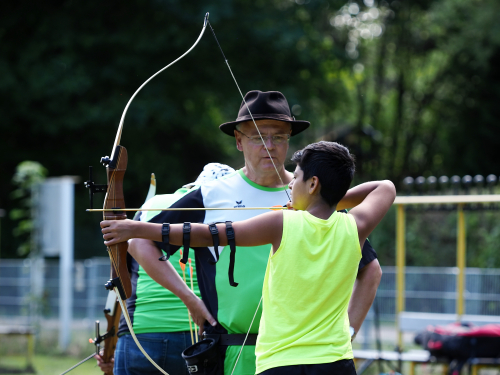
{"points": [[92, 186]]}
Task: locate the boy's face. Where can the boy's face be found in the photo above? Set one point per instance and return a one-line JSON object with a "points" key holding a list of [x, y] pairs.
{"points": [[299, 188]]}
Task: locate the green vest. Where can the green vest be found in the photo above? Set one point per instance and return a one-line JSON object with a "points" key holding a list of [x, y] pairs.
{"points": [[306, 292]]}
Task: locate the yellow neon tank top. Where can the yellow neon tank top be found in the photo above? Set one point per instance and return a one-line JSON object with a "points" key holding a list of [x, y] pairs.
{"points": [[306, 292]]}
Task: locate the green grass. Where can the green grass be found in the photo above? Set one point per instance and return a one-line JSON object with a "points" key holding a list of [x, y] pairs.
{"points": [[48, 365], [49, 359]]}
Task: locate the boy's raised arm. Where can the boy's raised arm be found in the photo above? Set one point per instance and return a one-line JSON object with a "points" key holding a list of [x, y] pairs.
{"points": [[259, 230], [378, 198]]}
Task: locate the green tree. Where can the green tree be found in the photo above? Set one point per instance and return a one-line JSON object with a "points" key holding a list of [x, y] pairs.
{"points": [[29, 175], [410, 87]]}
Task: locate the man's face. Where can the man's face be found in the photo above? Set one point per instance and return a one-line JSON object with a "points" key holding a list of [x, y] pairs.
{"points": [[256, 156]]}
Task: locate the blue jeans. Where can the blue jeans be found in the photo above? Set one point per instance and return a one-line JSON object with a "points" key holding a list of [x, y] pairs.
{"points": [[163, 348]]}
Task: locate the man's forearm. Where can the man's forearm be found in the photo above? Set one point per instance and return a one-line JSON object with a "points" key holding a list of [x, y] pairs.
{"points": [[363, 294], [146, 254]]}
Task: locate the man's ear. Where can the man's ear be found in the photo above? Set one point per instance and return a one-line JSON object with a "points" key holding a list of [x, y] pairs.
{"points": [[313, 185], [237, 137]]}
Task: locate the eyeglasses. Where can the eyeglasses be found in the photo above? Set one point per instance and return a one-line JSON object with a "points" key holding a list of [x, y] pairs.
{"points": [[276, 139]]}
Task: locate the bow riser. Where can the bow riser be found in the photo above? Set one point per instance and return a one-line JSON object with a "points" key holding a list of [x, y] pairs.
{"points": [[119, 272], [115, 171]]}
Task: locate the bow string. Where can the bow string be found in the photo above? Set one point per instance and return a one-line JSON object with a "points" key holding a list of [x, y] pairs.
{"points": [[275, 168]]}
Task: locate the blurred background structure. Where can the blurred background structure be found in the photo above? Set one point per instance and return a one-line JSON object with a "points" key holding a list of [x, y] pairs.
{"points": [[412, 88]]}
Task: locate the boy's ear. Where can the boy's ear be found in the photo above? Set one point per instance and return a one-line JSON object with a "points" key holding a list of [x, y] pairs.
{"points": [[314, 185]]}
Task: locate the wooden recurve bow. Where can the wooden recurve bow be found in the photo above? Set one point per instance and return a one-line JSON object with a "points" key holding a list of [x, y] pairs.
{"points": [[115, 170]]}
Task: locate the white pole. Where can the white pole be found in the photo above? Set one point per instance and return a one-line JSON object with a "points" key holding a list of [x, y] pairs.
{"points": [[66, 233]]}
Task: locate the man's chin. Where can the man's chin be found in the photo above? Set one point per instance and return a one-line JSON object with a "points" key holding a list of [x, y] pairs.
{"points": [[267, 165]]}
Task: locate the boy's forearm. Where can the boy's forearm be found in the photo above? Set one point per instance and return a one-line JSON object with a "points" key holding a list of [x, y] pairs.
{"points": [[200, 234], [146, 231]]}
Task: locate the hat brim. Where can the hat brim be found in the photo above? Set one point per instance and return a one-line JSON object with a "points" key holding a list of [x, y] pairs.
{"points": [[297, 125]]}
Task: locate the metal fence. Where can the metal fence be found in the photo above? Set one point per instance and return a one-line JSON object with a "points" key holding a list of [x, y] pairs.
{"points": [[433, 290], [28, 288]]}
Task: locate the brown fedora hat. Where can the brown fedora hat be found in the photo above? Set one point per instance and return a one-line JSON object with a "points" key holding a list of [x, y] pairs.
{"points": [[265, 105]]}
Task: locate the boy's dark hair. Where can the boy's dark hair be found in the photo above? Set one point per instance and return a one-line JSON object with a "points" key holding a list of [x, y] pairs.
{"points": [[332, 164]]}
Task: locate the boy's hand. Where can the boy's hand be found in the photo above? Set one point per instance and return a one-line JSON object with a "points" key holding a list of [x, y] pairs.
{"points": [[115, 231], [289, 206]]}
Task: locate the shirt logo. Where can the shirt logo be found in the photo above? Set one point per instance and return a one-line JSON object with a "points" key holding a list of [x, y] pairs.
{"points": [[238, 204]]}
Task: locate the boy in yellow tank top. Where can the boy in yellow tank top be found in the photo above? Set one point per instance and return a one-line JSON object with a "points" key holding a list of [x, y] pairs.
{"points": [[313, 263]]}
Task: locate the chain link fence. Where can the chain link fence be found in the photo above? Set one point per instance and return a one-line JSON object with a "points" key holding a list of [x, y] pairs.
{"points": [[29, 290]]}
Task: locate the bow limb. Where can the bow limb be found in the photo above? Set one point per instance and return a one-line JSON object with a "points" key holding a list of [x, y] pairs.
{"points": [[122, 120], [112, 313]]}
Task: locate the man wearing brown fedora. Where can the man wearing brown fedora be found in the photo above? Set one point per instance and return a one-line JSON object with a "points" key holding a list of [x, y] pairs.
{"points": [[230, 281]]}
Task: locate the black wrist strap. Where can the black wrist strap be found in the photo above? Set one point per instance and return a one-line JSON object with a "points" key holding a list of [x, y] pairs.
{"points": [[232, 245], [186, 236], [165, 232], [215, 238]]}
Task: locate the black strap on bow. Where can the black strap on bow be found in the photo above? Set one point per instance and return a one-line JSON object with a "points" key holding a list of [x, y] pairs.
{"points": [[165, 232], [186, 230], [232, 245], [215, 238]]}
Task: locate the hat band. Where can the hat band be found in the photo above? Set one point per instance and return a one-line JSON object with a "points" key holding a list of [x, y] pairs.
{"points": [[266, 116]]}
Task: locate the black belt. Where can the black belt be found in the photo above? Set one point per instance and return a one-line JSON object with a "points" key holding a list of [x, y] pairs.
{"points": [[233, 339]]}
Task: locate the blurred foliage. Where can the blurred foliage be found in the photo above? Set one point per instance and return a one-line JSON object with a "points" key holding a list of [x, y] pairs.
{"points": [[410, 87], [431, 238], [29, 174], [419, 89]]}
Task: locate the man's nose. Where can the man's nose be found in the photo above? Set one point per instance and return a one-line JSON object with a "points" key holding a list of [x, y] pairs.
{"points": [[269, 142]]}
